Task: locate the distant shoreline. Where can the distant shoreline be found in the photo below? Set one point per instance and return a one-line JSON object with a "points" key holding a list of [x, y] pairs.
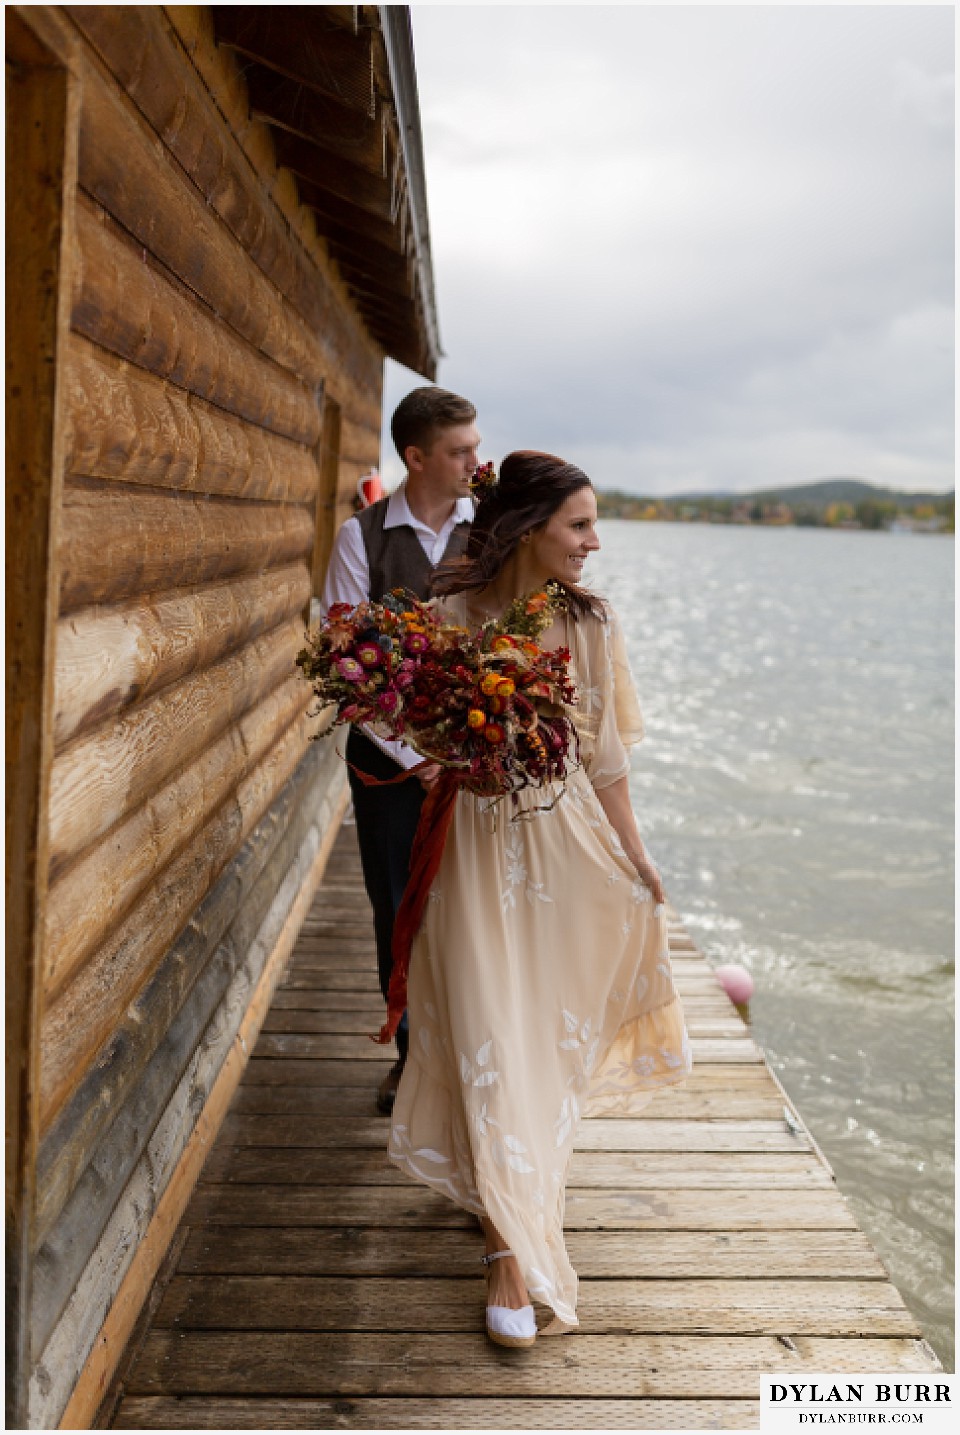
{"points": [[821, 527], [847, 504]]}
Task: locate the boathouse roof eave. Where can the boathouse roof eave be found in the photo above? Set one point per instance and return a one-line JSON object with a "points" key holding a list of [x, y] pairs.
{"points": [[397, 31], [336, 86]]}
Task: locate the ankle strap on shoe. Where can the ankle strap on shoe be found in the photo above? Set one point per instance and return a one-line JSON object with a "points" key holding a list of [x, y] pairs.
{"points": [[494, 1256]]}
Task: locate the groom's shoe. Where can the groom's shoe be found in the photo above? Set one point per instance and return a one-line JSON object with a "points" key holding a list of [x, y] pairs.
{"points": [[387, 1090]]}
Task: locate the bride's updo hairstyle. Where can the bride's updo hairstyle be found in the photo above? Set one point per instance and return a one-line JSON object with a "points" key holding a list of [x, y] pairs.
{"points": [[530, 488]]}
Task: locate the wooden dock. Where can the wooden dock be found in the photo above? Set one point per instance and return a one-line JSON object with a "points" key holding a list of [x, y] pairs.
{"points": [[312, 1287]]}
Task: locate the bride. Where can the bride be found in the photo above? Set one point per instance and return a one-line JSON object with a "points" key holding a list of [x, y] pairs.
{"points": [[540, 988]]}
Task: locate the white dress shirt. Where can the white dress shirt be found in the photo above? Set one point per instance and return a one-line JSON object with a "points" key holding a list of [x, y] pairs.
{"points": [[348, 574]]}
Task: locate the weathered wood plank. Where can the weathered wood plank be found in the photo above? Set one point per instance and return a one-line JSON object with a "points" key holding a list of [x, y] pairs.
{"points": [[299, 1363], [678, 1101], [146, 1413], [360, 1022], [140, 313], [140, 48], [735, 1307], [607, 1134], [351, 925], [126, 424], [110, 772], [414, 1206], [97, 891], [70, 1142], [674, 1255], [292, 1044], [649, 1170], [304, 1001], [120, 542], [75, 1236], [107, 658], [272, 1071], [350, 981]]}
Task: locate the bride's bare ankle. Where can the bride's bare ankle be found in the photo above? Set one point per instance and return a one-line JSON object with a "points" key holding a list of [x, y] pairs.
{"points": [[505, 1283], [492, 1236]]}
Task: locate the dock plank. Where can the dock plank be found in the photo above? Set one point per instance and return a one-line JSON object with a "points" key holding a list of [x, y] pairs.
{"points": [[734, 1307], [663, 1209], [604, 1134], [317, 1288], [369, 1251], [690, 1102], [362, 1048], [449, 1364], [723, 1170], [418, 1414]]}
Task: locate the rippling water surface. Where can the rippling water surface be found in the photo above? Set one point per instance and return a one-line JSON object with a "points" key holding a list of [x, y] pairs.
{"points": [[796, 788]]}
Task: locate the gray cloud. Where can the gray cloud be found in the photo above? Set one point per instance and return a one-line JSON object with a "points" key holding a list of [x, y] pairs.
{"points": [[696, 247]]}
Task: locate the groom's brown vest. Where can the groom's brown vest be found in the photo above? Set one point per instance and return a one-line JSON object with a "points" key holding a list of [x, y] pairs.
{"points": [[395, 555]]}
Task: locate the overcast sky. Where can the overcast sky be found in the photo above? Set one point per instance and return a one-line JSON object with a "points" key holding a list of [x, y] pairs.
{"points": [[695, 247]]}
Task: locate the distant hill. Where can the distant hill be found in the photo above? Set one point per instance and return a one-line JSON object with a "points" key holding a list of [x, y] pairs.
{"points": [[814, 497], [828, 503], [836, 490]]}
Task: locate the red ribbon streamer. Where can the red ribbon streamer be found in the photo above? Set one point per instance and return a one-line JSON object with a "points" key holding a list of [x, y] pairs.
{"points": [[428, 844]]}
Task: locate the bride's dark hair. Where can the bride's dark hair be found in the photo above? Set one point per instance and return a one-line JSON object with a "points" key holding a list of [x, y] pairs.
{"points": [[530, 489]]}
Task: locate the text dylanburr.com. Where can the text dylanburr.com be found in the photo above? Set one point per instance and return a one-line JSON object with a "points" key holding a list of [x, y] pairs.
{"points": [[821, 1402]]}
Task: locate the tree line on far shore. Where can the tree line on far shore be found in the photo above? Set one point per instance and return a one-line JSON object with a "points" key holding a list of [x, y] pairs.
{"points": [[833, 503]]}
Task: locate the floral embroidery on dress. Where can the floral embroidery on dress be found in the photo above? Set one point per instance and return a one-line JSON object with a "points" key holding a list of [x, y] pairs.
{"points": [[453, 1185], [569, 1112], [517, 875], [505, 1149], [474, 1075]]}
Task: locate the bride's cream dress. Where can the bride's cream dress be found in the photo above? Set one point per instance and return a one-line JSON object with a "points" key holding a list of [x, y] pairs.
{"points": [[540, 987]]}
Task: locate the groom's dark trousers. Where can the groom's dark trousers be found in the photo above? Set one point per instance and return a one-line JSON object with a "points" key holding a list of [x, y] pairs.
{"points": [[387, 820]]}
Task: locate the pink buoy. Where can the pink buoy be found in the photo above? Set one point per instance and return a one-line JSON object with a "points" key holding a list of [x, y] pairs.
{"points": [[736, 982]]}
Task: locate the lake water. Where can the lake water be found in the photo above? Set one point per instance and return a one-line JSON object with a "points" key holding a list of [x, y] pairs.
{"points": [[796, 788]]}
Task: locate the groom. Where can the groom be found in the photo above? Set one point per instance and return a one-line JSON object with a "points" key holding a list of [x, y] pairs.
{"points": [[397, 543]]}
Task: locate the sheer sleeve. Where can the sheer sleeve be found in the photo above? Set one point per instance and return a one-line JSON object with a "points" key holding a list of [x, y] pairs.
{"points": [[612, 703]]}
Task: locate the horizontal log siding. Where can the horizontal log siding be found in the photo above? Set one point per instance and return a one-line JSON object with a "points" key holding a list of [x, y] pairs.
{"points": [[155, 66], [81, 1125], [79, 1268], [187, 805], [127, 424], [136, 851], [359, 444], [184, 233], [127, 302], [105, 775], [119, 542], [107, 658], [81, 1019]]}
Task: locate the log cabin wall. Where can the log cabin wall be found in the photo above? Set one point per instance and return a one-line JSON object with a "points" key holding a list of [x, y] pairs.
{"points": [[218, 395]]}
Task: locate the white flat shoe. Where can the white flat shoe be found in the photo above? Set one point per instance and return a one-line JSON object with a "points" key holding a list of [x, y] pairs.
{"points": [[514, 1328]]}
